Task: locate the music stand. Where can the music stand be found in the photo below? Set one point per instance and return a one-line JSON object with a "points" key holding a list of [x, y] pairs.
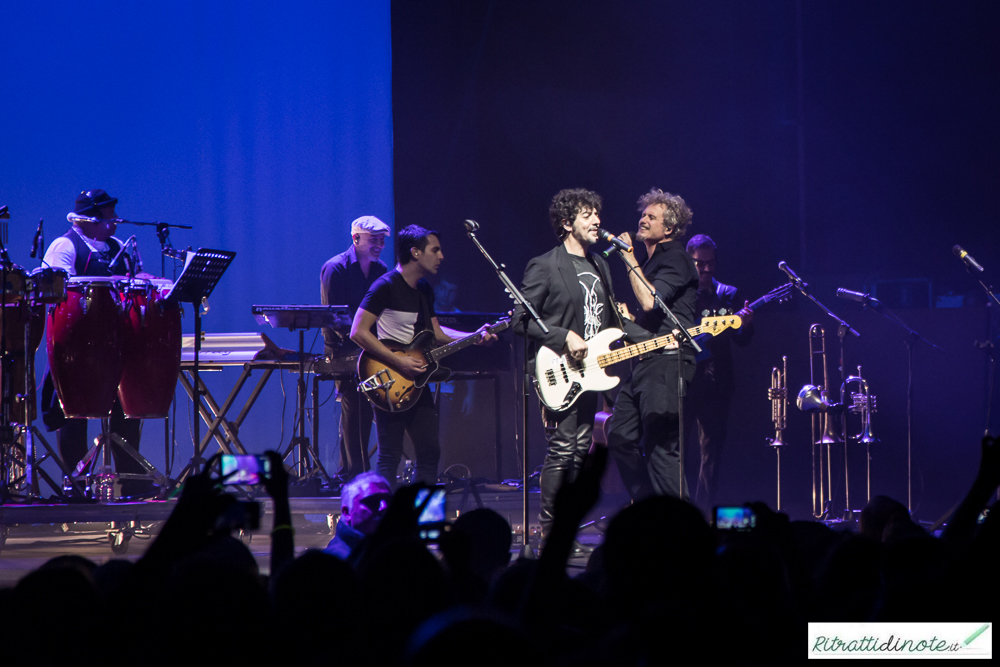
{"points": [[301, 318], [202, 272]]}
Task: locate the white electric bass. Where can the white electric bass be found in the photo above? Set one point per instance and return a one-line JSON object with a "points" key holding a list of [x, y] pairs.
{"points": [[560, 379]]}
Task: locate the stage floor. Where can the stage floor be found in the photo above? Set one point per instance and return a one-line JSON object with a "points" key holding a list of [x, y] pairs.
{"points": [[36, 533]]}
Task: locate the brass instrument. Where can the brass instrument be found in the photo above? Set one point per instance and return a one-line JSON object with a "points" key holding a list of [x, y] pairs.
{"points": [[778, 395], [824, 424], [862, 403]]}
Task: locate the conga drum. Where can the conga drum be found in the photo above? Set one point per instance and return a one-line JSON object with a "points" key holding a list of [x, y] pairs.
{"points": [[151, 349], [84, 340], [15, 284]]}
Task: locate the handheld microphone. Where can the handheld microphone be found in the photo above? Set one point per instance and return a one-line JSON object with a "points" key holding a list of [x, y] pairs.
{"points": [[616, 243], [471, 226], [966, 258], [38, 239]]}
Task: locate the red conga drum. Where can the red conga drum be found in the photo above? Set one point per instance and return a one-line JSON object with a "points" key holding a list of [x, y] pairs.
{"points": [[151, 349], [84, 340]]}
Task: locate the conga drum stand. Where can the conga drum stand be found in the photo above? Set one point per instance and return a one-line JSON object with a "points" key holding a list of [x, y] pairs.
{"points": [[99, 478]]}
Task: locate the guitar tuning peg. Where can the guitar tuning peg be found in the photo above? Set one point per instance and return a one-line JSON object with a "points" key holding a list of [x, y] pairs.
{"points": [[723, 312], [706, 313]]}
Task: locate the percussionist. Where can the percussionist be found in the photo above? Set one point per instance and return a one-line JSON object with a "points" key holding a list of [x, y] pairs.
{"points": [[88, 249]]}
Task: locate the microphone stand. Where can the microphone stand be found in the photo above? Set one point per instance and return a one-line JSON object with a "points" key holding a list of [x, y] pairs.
{"points": [[843, 329], [876, 306], [7, 390], [990, 348], [529, 311], [682, 337]]}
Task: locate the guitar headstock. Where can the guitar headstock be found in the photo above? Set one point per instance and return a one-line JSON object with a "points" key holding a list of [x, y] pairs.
{"points": [[718, 324]]}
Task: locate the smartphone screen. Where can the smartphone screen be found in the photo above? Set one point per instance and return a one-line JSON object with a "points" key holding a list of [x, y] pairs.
{"points": [[244, 469], [735, 518], [435, 510]]}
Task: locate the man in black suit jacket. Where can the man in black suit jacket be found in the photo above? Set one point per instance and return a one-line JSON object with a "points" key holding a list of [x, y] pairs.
{"points": [[714, 382], [571, 290]]}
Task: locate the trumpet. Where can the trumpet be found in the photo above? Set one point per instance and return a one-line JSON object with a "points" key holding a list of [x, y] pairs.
{"points": [[863, 404], [778, 395]]}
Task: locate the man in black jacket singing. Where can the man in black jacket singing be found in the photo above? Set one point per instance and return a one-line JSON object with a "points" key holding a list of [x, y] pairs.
{"points": [[571, 290]]}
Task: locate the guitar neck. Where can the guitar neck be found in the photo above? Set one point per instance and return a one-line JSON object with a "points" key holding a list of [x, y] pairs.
{"points": [[451, 348], [629, 351]]}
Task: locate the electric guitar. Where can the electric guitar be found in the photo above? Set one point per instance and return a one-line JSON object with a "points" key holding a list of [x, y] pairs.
{"points": [[560, 379], [389, 390]]}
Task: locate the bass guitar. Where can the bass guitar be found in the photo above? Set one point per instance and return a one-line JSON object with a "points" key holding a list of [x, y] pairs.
{"points": [[560, 379], [390, 390]]}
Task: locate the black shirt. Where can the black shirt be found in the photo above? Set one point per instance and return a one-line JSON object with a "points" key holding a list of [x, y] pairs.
{"points": [[672, 272], [402, 311], [596, 306], [341, 282]]}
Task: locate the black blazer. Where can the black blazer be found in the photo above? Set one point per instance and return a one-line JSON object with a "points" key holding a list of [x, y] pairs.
{"points": [[552, 287]]}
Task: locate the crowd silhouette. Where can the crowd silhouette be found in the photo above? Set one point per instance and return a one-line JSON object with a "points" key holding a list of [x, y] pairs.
{"points": [[663, 586]]}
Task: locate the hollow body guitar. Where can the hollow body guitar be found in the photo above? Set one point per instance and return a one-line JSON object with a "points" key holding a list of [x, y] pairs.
{"points": [[390, 390], [559, 379]]}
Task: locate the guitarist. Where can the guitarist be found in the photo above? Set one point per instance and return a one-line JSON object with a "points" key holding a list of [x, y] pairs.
{"points": [[570, 288], [714, 381], [644, 431], [400, 305]]}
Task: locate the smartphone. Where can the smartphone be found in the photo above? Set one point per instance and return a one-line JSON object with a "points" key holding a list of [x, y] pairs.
{"points": [[734, 518], [244, 469], [432, 519]]}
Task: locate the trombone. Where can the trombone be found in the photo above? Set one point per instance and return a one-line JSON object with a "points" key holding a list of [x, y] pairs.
{"points": [[824, 431]]}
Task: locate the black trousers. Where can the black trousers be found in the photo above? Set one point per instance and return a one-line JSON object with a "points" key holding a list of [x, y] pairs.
{"points": [[419, 422], [356, 415], [707, 406], [644, 432], [569, 434]]}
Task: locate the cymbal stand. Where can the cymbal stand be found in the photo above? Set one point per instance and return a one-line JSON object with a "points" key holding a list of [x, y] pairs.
{"points": [[8, 442]]}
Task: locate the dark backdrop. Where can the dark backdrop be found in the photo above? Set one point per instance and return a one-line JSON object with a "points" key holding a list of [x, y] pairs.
{"points": [[857, 141]]}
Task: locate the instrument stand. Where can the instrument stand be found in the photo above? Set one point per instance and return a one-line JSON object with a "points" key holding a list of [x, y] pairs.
{"points": [[843, 328], [100, 480], [200, 276], [308, 464], [8, 441], [529, 311]]}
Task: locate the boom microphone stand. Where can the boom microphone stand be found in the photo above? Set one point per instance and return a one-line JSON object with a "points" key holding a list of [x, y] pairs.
{"points": [[843, 329], [471, 226]]}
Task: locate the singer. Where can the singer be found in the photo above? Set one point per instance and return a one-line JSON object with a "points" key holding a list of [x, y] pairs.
{"points": [[87, 249], [570, 288], [644, 434]]}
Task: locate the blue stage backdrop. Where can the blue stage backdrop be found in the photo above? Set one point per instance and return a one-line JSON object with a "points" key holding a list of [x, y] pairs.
{"points": [[265, 127]]}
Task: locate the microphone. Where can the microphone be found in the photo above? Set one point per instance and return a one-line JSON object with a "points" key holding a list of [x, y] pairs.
{"points": [[616, 243], [4, 213], [471, 226], [76, 217], [857, 296], [801, 284], [38, 239], [966, 258]]}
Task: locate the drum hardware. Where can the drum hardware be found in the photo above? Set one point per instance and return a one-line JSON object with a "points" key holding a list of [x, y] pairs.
{"points": [[778, 395], [95, 472]]}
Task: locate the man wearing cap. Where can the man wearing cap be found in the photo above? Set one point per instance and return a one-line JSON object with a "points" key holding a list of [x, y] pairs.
{"points": [[88, 249], [344, 280]]}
